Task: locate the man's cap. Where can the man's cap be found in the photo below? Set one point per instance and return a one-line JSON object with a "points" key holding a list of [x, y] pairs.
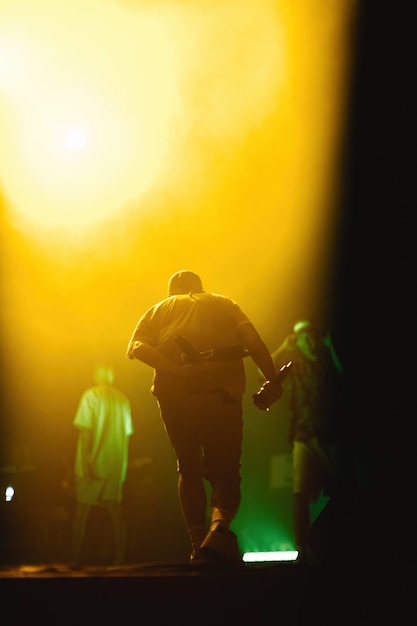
{"points": [[184, 281], [306, 324]]}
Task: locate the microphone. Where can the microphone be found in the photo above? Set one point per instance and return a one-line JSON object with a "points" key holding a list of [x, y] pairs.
{"points": [[271, 390]]}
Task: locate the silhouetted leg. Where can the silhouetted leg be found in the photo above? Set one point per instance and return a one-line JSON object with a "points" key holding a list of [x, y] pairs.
{"points": [[301, 519], [193, 499], [117, 518], [81, 514]]}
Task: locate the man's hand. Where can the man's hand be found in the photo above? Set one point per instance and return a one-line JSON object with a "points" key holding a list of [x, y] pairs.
{"points": [[131, 353], [271, 390], [269, 393]]}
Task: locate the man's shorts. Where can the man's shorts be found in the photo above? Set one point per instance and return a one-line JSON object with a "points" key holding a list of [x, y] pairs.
{"points": [[205, 430], [314, 468], [98, 491]]}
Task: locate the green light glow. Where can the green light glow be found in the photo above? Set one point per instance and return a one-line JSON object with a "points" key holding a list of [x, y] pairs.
{"points": [[263, 557]]}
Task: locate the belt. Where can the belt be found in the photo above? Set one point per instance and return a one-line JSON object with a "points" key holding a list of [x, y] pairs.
{"points": [[199, 391], [227, 398]]}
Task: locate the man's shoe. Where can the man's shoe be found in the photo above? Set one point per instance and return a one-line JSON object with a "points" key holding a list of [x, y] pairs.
{"points": [[220, 547]]}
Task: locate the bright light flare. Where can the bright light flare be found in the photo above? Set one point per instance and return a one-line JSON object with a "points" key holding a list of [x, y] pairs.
{"points": [[13, 51], [86, 107], [266, 557], [9, 493], [75, 138]]}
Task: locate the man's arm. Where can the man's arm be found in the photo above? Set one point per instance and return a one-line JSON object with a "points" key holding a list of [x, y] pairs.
{"points": [[284, 352], [150, 355], [329, 343], [258, 350]]}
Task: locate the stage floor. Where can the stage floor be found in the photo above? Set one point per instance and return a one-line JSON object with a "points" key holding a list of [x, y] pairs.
{"points": [[145, 570], [151, 592]]}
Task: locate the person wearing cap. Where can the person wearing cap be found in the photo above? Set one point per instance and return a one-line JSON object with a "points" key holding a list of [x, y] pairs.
{"points": [[104, 423], [313, 386], [196, 343]]}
